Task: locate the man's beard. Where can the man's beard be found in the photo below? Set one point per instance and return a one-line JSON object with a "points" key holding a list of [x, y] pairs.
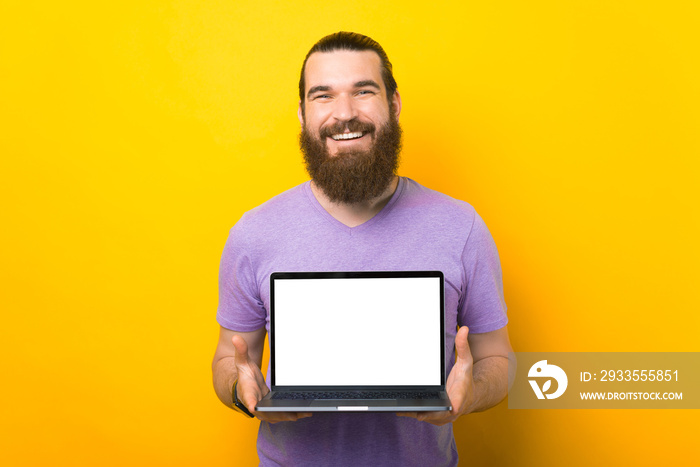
{"points": [[352, 177]]}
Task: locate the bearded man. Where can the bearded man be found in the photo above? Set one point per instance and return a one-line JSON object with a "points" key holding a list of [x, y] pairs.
{"points": [[357, 214]]}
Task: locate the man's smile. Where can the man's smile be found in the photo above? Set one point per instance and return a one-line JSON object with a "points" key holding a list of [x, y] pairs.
{"points": [[346, 136]]}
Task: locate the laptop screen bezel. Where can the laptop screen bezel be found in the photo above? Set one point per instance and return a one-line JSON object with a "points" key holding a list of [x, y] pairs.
{"points": [[351, 275]]}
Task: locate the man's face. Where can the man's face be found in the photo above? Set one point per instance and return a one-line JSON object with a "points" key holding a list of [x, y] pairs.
{"points": [[350, 134]]}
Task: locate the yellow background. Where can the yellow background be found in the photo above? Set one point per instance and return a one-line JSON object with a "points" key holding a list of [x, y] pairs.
{"points": [[134, 134]]}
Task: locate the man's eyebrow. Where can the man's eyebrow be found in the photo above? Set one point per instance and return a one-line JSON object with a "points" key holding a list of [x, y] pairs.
{"points": [[368, 82], [317, 89]]}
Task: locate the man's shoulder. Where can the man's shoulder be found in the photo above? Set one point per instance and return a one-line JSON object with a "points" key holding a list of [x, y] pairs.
{"points": [[278, 204], [279, 208], [420, 196]]}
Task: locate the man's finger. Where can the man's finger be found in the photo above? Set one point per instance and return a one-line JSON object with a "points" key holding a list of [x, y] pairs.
{"points": [[436, 418], [462, 343], [276, 417], [250, 401], [241, 347]]}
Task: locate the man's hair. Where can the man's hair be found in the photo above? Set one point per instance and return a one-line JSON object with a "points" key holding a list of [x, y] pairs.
{"points": [[355, 42]]}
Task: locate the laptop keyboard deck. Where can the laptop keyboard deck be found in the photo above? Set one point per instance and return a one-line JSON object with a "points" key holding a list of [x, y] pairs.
{"points": [[309, 395]]}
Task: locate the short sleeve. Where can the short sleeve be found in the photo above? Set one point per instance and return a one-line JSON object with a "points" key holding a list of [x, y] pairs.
{"points": [[482, 308], [240, 307]]}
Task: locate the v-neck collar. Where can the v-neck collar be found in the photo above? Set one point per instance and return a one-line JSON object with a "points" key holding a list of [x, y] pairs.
{"points": [[365, 225]]}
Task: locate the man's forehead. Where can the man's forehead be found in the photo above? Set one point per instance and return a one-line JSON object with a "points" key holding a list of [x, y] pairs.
{"points": [[342, 67]]}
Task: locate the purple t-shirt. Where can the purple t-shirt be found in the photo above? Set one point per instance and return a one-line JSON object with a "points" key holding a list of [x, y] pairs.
{"points": [[418, 229]]}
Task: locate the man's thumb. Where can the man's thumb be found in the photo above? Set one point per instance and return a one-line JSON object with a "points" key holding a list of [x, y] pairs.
{"points": [[462, 343], [241, 348]]}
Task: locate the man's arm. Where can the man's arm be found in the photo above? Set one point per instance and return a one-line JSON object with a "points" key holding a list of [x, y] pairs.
{"points": [[239, 357], [479, 378], [224, 369], [490, 368]]}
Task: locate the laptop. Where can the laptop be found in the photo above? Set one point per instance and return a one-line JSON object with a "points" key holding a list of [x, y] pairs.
{"points": [[357, 341]]}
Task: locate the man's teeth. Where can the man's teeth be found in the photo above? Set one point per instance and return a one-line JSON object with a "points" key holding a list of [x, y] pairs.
{"points": [[347, 136]]}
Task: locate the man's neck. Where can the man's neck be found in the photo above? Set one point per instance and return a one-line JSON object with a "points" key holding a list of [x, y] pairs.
{"points": [[355, 214]]}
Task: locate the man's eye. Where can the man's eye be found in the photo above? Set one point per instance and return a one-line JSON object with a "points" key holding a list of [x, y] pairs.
{"points": [[365, 91]]}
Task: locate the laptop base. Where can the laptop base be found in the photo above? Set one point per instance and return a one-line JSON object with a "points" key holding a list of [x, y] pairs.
{"points": [[267, 404]]}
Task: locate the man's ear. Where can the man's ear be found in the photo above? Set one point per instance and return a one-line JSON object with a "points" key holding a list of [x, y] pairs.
{"points": [[300, 114], [396, 100]]}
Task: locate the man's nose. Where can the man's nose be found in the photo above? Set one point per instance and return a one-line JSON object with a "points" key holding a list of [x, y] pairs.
{"points": [[344, 108]]}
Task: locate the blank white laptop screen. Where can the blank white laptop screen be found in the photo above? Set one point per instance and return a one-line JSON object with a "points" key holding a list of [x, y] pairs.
{"points": [[357, 331]]}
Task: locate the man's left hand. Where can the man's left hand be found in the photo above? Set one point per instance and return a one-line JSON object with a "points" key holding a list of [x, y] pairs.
{"points": [[460, 386]]}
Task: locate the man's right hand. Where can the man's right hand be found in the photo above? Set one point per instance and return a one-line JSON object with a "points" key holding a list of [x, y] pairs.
{"points": [[251, 386]]}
